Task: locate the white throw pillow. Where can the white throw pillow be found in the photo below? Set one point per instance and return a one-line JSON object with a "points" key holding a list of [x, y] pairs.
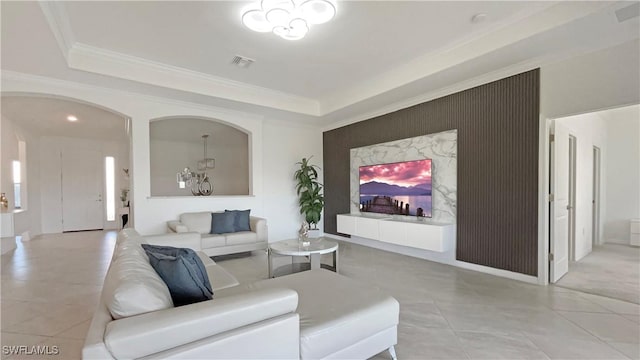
{"points": [[197, 221], [132, 286]]}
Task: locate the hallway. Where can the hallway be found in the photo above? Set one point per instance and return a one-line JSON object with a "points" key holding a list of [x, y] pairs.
{"points": [[611, 270]]}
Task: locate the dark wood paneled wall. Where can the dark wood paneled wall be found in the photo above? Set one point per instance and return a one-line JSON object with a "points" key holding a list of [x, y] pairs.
{"points": [[497, 124]]}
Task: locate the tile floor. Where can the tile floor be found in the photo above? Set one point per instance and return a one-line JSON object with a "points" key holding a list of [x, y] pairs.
{"points": [[611, 270], [51, 285]]}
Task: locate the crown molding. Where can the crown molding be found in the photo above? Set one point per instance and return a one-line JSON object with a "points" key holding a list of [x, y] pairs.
{"points": [[58, 20], [111, 63], [47, 82], [483, 79], [426, 65], [92, 59], [436, 94]]}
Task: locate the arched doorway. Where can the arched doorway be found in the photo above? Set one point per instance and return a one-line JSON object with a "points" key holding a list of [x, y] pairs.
{"points": [[76, 156]]}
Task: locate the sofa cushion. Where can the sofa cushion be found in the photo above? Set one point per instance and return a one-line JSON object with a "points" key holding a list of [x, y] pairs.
{"points": [[197, 221], [240, 220], [243, 237], [328, 325], [183, 272], [131, 286], [213, 240], [222, 223], [219, 277]]}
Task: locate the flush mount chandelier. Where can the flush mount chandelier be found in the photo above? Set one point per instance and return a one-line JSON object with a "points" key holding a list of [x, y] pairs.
{"points": [[289, 19]]}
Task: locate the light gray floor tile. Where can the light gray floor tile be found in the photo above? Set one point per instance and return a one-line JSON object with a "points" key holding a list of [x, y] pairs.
{"points": [[10, 339], [499, 346], [614, 305], [634, 318], [52, 284], [420, 315], [429, 343], [610, 270], [608, 327], [632, 350], [565, 348], [545, 322]]}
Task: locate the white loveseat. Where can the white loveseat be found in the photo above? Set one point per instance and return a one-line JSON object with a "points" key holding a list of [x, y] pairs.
{"points": [[222, 244], [310, 315]]}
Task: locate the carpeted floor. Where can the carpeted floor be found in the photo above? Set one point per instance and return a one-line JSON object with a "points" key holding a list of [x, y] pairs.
{"points": [[611, 270]]}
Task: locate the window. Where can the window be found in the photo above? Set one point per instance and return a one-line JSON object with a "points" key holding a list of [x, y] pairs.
{"points": [[17, 178], [109, 172]]}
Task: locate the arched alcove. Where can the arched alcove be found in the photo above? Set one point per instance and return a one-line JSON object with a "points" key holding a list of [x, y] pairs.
{"points": [[177, 143]]}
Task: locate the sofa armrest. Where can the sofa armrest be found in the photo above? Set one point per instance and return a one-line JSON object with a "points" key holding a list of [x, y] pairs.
{"points": [[176, 226], [259, 226], [189, 240], [150, 333]]}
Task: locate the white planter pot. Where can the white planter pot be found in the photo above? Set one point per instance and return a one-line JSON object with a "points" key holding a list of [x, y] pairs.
{"points": [[314, 234]]}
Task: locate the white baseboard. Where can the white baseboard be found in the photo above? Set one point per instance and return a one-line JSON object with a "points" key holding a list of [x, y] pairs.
{"points": [[617, 241], [447, 258], [497, 272], [7, 244]]}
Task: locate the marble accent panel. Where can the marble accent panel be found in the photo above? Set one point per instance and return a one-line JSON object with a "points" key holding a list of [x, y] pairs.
{"points": [[441, 148]]}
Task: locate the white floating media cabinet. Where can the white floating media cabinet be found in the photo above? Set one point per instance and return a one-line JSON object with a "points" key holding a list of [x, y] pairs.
{"points": [[400, 230]]}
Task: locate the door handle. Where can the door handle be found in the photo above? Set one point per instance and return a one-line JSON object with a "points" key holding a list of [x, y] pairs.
{"points": [[569, 207]]}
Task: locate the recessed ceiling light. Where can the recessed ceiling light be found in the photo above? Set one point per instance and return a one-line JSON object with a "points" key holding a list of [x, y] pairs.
{"points": [[478, 18], [72, 118]]}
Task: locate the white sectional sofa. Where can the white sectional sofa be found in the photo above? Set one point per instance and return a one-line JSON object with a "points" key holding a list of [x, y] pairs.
{"points": [[222, 244], [310, 315]]}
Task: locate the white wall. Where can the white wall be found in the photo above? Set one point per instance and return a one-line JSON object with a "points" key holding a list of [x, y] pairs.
{"points": [[601, 80], [11, 134], [280, 158], [274, 148], [623, 175], [595, 81], [176, 143], [590, 131], [51, 186], [230, 176]]}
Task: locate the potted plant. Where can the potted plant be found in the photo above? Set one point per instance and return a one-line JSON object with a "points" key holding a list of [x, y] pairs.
{"points": [[310, 198]]}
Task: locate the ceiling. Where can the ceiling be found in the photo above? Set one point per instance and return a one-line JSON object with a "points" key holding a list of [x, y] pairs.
{"points": [[48, 116], [375, 56], [204, 36]]}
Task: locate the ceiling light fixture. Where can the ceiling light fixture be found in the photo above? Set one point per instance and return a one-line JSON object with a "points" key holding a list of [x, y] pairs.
{"points": [[72, 118], [289, 19]]}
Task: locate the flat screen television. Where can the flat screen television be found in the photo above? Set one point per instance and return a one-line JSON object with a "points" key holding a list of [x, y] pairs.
{"points": [[401, 188]]}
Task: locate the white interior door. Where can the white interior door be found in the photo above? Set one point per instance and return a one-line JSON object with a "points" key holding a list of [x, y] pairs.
{"points": [[82, 188], [595, 223], [559, 239]]}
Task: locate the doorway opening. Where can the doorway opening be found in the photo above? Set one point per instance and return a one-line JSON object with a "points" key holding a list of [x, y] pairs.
{"points": [[67, 141], [593, 195]]}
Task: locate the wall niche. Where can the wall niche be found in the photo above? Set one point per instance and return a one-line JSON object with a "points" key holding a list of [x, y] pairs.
{"points": [[176, 143]]}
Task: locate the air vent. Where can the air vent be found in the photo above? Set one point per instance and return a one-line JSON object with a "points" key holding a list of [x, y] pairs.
{"points": [[629, 12], [242, 62]]}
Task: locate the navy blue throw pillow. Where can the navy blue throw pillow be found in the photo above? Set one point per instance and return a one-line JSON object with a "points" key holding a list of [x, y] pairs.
{"points": [[241, 219], [183, 272], [222, 223]]}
